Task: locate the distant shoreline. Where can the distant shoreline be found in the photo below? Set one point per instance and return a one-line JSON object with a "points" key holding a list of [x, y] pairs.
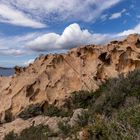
{"points": [[6, 71], [5, 68]]}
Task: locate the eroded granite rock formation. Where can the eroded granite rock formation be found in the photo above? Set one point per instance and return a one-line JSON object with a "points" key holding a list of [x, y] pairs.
{"points": [[52, 78]]}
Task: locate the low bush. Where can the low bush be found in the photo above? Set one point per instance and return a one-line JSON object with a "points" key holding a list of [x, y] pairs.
{"points": [[36, 109], [31, 111], [52, 111], [81, 99], [112, 130], [11, 136], [84, 119], [8, 116], [35, 133], [65, 129], [130, 116], [39, 132]]}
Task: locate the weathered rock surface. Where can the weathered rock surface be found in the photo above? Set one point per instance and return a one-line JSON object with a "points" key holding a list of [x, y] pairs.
{"points": [[51, 78], [76, 114], [18, 125]]}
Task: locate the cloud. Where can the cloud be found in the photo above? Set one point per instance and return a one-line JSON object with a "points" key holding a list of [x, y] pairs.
{"points": [[30, 45], [15, 52], [104, 17], [11, 15], [44, 42], [14, 45], [132, 6], [117, 15], [138, 16], [30, 13], [30, 61], [72, 36], [130, 31]]}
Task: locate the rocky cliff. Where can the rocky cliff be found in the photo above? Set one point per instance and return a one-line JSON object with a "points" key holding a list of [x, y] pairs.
{"points": [[52, 78]]}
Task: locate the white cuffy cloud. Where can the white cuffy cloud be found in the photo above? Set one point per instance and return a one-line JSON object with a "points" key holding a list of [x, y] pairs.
{"points": [[72, 36]]}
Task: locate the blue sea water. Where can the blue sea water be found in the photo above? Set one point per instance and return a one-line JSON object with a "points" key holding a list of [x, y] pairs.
{"points": [[6, 71]]}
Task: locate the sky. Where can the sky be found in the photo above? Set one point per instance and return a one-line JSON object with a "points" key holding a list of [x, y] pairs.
{"points": [[29, 28]]}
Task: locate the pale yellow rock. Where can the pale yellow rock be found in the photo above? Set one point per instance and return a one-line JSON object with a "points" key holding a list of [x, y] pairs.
{"points": [[54, 77]]}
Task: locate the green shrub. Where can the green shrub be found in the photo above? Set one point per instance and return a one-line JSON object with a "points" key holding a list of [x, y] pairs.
{"points": [[52, 111], [130, 116], [65, 128], [99, 128], [11, 136], [8, 116], [105, 129], [39, 132], [36, 109], [78, 99], [84, 119], [81, 99], [31, 111], [116, 91]]}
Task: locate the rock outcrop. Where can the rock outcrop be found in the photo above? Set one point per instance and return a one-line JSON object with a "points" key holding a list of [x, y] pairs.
{"points": [[53, 77]]}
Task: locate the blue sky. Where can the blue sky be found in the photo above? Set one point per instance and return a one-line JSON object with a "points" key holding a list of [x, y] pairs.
{"points": [[29, 28]]}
